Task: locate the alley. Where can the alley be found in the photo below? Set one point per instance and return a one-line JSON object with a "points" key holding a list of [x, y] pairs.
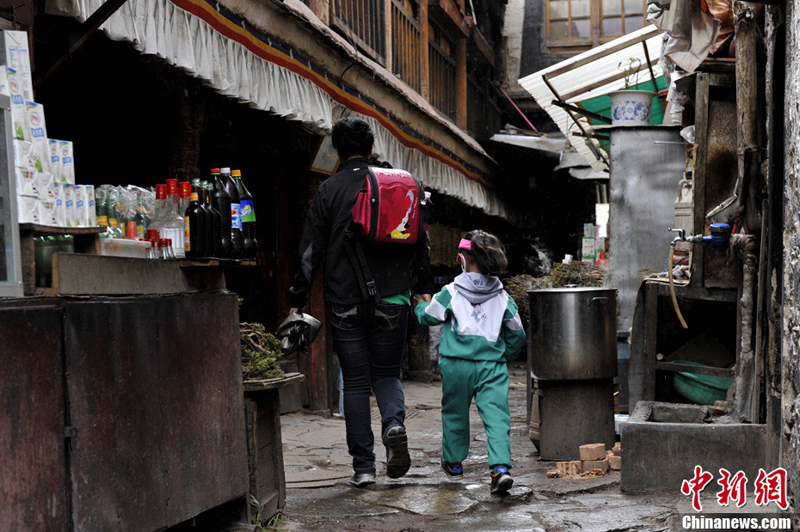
{"points": [[320, 498]]}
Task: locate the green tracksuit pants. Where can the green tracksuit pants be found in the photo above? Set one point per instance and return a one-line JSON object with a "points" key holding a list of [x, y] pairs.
{"points": [[487, 382]]}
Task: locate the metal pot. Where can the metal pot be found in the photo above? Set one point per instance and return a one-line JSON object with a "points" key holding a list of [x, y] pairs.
{"points": [[573, 334]]}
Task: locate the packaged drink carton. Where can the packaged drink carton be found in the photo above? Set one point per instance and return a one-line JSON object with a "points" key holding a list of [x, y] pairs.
{"points": [[47, 190], [28, 210], [27, 182], [55, 160], [47, 212], [90, 214], [79, 201], [61, 209], [600, 245], [40, 149], [22, 154], [67, 161], [19, 117], [588, 250], [15, 54], [589, 230], [4, 82], [67, 198]]}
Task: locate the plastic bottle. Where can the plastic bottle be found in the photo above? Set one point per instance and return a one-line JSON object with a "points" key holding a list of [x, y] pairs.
{"points": [[141, 217], [195, 237], [237, 244], [247, 215], [214, 223], [222, 202]]}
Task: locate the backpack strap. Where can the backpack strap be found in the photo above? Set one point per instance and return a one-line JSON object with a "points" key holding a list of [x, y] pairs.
{"points": [[359, 261]]}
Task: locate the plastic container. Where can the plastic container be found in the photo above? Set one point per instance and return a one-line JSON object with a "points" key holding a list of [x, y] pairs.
{"points": [[119, 247], [702, 389]]}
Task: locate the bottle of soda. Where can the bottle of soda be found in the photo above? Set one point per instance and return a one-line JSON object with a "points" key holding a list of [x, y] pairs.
{"points": [[247, 214], [214, 223], [222, 202], [237, 244], [141, 218], [194, 218]]}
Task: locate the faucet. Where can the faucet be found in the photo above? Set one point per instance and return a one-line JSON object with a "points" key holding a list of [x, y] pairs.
{"points": [[719, 237]]}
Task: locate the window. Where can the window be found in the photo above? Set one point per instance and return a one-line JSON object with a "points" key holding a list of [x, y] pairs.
{"points": [[592, 22]]}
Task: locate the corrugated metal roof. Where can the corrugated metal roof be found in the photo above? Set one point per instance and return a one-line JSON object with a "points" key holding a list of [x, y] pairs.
{"points": [[587, 75]]}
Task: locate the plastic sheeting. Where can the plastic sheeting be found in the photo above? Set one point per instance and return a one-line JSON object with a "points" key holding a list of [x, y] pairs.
{"points": [[247, 73]]}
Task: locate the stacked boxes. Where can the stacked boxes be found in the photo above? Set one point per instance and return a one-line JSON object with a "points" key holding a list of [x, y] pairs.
{"points": [[44, 167]]}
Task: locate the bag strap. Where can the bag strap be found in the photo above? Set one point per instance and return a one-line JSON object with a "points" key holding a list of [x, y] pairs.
{"points": [[365, 281]]}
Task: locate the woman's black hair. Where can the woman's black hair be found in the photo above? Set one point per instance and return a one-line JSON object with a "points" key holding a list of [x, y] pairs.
{"points": [[352, 136], [487, 251]]}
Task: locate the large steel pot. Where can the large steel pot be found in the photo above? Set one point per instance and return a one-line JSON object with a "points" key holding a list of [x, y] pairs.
{"points": [[573, 334]]}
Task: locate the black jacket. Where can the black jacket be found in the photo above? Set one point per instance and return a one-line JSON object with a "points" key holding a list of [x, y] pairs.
{"points": [[394, 267]]}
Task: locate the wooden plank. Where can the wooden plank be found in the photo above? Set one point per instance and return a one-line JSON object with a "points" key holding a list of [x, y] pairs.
{"points": [[448, 14], [650, 342], [129, 276], [32, 449], [46, 230], [461, 83], [482, 45], [424, 58], [158, 404], [700, 370], [272, 384]]}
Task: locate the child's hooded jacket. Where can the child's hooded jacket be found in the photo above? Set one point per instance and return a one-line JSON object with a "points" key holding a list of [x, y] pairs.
{"points": [[483, 322]]}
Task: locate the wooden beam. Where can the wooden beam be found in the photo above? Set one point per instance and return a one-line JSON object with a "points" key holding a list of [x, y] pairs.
{"points": [[483, 46], [461, 83], [424, 59], [697, 370], [448, 14], [322, 9]]}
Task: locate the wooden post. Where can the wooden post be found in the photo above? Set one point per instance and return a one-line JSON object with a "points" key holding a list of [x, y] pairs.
{"points": [[321, 8], [424, 36], [461, 83], [388, 25]]}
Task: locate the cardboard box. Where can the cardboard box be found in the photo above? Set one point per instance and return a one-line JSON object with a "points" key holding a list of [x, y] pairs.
{"points": [[19, 118], [47, 189], [79, 200], [67, 198], [27, 210], [27, 182], [40, 149], [55, 160], [67, 161], [14, 54]]}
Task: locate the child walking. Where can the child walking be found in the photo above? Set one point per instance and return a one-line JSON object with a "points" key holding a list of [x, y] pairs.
{"points": [[483, 331]]}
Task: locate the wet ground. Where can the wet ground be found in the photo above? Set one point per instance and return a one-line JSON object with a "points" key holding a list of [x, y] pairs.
{"points": [[320, 498]]}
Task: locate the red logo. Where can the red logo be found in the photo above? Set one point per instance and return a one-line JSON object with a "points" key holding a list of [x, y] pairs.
{"points": [[696, 485], [771, 488], [733, 488]]}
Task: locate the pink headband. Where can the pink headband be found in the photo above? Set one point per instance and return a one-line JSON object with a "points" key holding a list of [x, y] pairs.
{"points": [[465, 244]]}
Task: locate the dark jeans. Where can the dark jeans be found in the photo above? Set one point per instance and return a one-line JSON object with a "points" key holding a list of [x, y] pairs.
{"points": [[369, 339]]}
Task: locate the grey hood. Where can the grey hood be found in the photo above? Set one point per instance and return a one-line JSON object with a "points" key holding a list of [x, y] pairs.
{"points": [[477, 288]]}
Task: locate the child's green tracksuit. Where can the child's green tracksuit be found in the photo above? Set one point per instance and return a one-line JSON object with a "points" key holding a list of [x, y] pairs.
{"points": [[482, 332]]}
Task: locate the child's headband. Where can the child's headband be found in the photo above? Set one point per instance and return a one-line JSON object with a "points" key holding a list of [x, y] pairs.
{"points": [[465, 244]]}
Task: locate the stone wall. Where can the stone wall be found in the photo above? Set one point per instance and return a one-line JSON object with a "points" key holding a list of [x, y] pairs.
{"points": [[791, 262]]}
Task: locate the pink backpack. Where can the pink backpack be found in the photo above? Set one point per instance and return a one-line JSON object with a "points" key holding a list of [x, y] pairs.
{"points": [[388, 208]]}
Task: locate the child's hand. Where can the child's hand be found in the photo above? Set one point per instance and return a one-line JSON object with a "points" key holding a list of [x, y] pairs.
{"points": [[419, 298]]}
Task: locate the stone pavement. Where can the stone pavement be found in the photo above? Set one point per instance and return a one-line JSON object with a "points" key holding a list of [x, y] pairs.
{"points": [[320, 498]]}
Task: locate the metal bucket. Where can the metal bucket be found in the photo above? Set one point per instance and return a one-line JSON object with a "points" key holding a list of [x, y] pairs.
{"points": [[573, 333]]}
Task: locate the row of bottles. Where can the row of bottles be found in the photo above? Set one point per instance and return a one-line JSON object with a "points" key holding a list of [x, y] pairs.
{"points": [[220, 219]]}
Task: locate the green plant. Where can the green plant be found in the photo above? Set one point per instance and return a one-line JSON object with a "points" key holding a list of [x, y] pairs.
{"points": [[260, 353], [257, 519], [632, 67]]}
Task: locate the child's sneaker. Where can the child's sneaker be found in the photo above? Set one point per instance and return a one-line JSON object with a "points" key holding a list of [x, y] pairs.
{"points": [[453, 470], [501, 480]]}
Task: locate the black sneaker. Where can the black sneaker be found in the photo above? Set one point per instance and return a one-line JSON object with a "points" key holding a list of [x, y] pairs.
{"points": [[398, 462], [453, 470], [501, 480], [361, 480]]}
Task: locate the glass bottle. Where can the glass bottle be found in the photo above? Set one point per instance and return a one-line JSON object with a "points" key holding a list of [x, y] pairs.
{"points": [[185, 188], [214, 224], [237, 245], [247, 215], [174, 224], [102, 221], [160, 208], [113, 228], [222, 202], [194, 238]]}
